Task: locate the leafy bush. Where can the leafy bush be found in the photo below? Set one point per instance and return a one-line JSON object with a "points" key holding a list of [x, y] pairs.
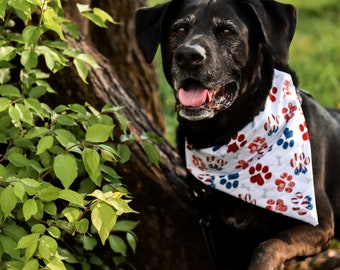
{"points": [[60, 197]]}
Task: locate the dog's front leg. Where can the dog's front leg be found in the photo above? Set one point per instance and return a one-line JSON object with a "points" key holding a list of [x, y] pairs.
{"points": [[301, 240]]}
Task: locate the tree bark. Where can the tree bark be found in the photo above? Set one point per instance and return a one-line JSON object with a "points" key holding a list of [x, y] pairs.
{"points": [[169, 233]]}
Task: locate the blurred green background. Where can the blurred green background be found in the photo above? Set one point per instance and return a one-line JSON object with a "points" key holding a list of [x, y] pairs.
{"points": [[314, 55]]}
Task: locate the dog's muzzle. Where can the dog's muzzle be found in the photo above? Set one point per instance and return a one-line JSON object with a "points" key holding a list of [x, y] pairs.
{"points": [[200, 95]]}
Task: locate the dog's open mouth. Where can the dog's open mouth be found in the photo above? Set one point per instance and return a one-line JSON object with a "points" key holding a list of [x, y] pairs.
{"points": [[197, 102]]}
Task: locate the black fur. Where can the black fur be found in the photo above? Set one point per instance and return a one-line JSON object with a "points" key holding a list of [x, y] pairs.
{"points": [[234, 45]]}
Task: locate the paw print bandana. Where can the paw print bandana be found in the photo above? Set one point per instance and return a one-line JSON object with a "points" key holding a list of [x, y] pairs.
{"points": [[268, 163]]}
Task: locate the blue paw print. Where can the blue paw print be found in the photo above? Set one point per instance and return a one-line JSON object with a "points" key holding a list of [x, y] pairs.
{"points": [[230, 181], [308, 201], [287, 142]]}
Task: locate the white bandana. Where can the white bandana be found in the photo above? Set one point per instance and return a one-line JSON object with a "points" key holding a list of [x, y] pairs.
{"points": [[268, 163]]}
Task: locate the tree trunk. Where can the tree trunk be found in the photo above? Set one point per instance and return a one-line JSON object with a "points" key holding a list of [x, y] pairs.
{"points": [[169, 233]]}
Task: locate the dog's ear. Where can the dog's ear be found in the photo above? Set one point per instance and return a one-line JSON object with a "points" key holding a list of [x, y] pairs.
{"points": [[278, 23], [148, 25]]}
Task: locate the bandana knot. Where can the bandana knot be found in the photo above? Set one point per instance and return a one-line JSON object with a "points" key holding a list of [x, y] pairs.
{"points": [[268, 163]]}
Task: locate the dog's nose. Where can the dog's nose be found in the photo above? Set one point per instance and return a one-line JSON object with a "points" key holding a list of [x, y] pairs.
{"points": [[190, 55]]}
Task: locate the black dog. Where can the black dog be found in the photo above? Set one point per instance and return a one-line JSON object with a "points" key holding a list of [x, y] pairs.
{"points": [[221, 58]]}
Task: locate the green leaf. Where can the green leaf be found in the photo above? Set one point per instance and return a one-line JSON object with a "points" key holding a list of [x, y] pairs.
{"points": [[49, 193], [103, 218], [25, 114], [4, 104], [18, 159], [7, 53], [19, 190], [71, 196], [29, 59], [5, 75], [81, 69], [50, 22], [117, 244], [72, 28], [82, 225], [122, 121], [38, 228], [88, 59], [3, 5], [125, 225], [152, 153], [71, 213], [31, 265], [29, 242], [8, 200], [37, 91], [30, 182], [14, 113], [99, 133], [3, 171], [56, 264], [121, 205], [65, 137], [36, 132], [89, 242], [47, 247], [132, 240], [9, 91], [95, 19], [124, 152], [103, 15], [151, 137], [91, 162], [54, 232], [65, 120], [31, 34], [50, 208], [44, 144], [13, 231], [66, 169], [9, 247], [30, 208], [83, 8], [35, 105]]}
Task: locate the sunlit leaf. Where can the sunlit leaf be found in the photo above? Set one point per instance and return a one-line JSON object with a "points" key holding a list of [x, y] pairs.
{"points": [[103, 218], [66, 169]]}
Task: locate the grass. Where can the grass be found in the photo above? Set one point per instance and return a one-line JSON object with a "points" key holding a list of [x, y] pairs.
{"points": [[314, 55]]}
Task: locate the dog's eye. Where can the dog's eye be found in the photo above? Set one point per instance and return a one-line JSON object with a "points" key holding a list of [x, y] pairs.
{"points": [[223, 32], [181, 31]]}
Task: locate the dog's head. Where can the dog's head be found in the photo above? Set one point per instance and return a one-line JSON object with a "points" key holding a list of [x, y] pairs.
{"points": [[213, 49]]}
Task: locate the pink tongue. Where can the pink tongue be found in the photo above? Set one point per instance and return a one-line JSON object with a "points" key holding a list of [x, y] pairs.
{"points": [[193, 97]]}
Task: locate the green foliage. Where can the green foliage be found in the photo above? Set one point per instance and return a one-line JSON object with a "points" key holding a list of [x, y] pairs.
{"points": [[57, 177]]}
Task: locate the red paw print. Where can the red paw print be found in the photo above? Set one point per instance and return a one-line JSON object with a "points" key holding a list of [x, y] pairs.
{"points": [[303, 129], [242, 164], [272, 124], [215, 163], [289, 112], [198, 163], [258, 145], [277, 205], [285, 183], [259, 174], [299, 163], [239, 141], [302, 203], [286, 88], [247, 198], [272, 94]]}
